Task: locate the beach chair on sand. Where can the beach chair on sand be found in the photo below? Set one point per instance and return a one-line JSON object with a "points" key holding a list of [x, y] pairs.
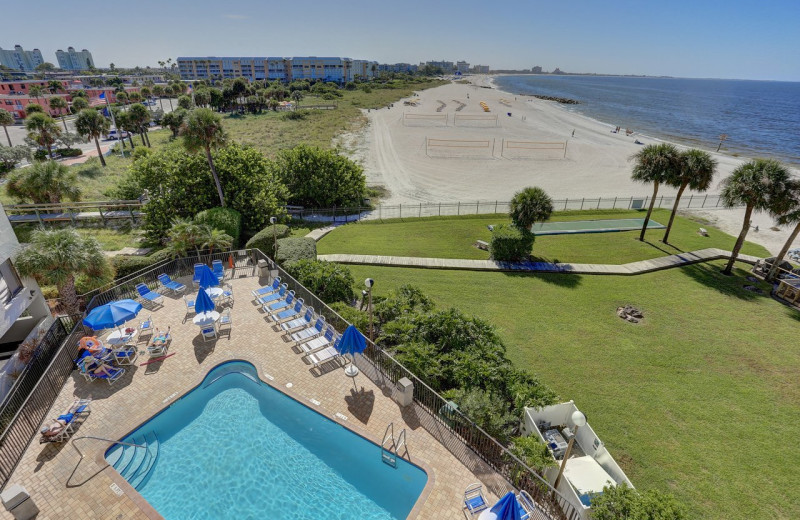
{"points": [[305, 321], [474, 501], [150, 296]]}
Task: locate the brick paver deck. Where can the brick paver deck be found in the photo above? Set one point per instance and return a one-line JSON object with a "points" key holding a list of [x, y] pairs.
{"points": [[65, 489]]}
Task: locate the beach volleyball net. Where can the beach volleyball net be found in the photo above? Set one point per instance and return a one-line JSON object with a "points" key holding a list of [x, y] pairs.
{"points": [[466, 148], [479, 120], [425, 119], [510, 149]]}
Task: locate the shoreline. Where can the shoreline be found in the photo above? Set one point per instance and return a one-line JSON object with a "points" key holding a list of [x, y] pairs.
{"points": [[743, 154]]}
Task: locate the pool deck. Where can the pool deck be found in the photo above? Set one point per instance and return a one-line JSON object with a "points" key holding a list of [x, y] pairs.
{"points": [[64, 486]]}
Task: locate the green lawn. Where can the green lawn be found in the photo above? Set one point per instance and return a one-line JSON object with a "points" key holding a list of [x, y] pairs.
{"points": [[701, 398], [453, 237], [109, 239]]}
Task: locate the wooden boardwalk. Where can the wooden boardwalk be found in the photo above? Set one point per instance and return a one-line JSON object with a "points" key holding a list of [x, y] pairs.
{"points": [[633, 268]]}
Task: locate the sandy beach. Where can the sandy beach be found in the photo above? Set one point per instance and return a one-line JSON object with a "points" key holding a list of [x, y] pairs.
{"points": [[446, 147]]}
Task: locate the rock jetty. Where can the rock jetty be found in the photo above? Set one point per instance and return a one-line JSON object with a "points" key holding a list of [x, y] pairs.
{"points": [[565, 101]]}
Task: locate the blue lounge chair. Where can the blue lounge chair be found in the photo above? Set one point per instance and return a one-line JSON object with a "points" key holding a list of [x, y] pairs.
{"points": [[171, 285], [289, 314], [196, 276], [89, 364], [279, 305], [324, 355], [474, 502], [125, 355], [305, 321], [69, 418], [149, 295], [320, 341], [310, 332], [274, 296], [218, 269], [269, 289]]}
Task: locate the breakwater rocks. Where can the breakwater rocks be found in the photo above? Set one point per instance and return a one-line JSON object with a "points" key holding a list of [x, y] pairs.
{"points": [[565, 101]]}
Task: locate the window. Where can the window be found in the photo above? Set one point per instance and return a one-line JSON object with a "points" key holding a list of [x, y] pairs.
{"points": [[10, 284]]}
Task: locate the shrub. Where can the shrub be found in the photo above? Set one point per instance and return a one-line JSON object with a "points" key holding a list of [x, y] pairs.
{"points": [[330, 281], [141, 152], [225, 219], [532, 452], [510, 244], [529, 206], [264, 239], [487, 410], [357, 318], [625, 502], [40, 155], [10, 156], [320, 178], [126, 264], [292, 249], [69, 152], [160, 255], [295, 115]]}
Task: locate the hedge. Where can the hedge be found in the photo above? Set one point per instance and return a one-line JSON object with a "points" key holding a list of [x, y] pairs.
{"points": [[225, 219], [293, 249], [264, 239], [510, 244], [125, 265], [330, 281], [69, 152]]}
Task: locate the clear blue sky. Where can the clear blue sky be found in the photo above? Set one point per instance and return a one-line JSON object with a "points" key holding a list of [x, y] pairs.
{"points": [[698, 38]]}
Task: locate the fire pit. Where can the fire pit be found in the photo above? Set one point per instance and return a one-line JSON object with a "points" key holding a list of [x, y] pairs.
{"points": [[630, 313]]}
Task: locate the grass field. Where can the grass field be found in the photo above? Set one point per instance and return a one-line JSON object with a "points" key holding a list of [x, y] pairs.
{"points": [[109, 239], [453, 237], [700, 399]]}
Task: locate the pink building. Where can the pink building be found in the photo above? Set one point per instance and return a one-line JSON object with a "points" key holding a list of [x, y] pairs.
{"points": [[16, 104]]}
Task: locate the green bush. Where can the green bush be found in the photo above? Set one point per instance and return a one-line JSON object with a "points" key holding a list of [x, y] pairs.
{"points": [[225, 219], [330, 281], [510, 244], [69, 152], [40, 155], [292, 249], [264, 239], [357, 318], [295, 115], [140, 153], [625, 502], [125, 264], [482, 407], [160, 255]]}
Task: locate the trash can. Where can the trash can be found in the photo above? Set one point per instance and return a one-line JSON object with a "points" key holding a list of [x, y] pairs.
{"points": [[263, 268], [18, 502], [405, 394]]}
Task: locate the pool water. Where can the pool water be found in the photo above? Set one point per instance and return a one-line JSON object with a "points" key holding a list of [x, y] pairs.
{"points": [[235, 447]]}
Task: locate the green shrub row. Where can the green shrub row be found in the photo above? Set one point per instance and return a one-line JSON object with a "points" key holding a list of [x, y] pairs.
{"points": [[510, 244], [293, 249], [331, 282], [265, 239]]}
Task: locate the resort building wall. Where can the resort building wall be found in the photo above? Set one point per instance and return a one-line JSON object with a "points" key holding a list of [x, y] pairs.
{"points": [[334, 69], [74, 60]]}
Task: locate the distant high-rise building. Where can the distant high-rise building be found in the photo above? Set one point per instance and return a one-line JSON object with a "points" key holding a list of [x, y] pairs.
{"points": [[398, 67], [536, 70], [481, 69], [446, 66], [20, 59], [335, 69], [74, 60], [462, 66]]}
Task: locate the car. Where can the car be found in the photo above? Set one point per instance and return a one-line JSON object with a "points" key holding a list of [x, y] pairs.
{"points": [[113, 134]]}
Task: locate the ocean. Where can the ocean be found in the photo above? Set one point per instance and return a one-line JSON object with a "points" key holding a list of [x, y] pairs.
{"points": [[761, 118]]}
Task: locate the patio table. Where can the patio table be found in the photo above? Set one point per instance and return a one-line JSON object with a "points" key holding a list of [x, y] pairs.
{"points": [[205, 318], [120, 337]]}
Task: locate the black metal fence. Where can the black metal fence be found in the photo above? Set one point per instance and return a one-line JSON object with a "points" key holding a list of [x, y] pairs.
{"points": [[35, 390], [460, 435]]}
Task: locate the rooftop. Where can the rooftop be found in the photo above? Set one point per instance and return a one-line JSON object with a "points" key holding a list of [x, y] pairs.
{"points": [[59, 481]]}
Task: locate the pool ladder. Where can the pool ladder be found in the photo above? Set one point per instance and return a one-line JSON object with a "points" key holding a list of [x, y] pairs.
{"points": [[390, 452]]}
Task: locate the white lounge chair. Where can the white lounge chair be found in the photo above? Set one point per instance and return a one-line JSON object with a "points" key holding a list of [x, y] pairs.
{"points": [[304, 321], [320, 357], [320, 341], [310, 332]]}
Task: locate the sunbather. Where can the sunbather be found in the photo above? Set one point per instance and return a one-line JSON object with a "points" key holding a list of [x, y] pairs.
{"points": [[57, 426], [102, 369]]}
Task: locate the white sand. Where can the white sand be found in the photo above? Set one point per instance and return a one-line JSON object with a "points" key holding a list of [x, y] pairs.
{"points": [[596, 162]]}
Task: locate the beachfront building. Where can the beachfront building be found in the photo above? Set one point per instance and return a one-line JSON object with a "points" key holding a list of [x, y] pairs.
{"points": [[21, 86], [404, 68], [16, 103], [480, 69], [74, 60], [334, 69], [462, 67], [23, 309], [20, 59], [446, 66]]}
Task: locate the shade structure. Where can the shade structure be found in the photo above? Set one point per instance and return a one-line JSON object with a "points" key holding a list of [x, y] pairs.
{"points": [[203, 302], [206, 278], [112, 314], [507, 508], [352, 342]]}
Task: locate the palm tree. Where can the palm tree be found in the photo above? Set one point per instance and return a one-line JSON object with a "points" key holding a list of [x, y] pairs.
{"points": [[158, 91], [654, 163], [185, 234], [43, 182], [122, 97], [215, 239], [790, 217], [60, 104], [297, 96], [140, 117], [6, 119], [54, 86], [697, 169], [57, 256], [43, 129], [36, 91], [79, 103], [124, 122], [529, 206], [134, 97], [203, 130], [761, 184], [146, 93], [169, 91], [92, 125]]}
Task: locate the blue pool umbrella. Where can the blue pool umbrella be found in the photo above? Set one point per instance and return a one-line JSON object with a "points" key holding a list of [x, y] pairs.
{"points": [[206, 278], [507, 508], [112, 314], [203, 302], [352, 342]]}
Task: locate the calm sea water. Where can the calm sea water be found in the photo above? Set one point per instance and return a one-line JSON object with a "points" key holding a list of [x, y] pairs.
{"points": [[761, 118]]}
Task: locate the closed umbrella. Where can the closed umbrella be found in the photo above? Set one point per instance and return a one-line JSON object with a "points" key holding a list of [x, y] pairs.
{"points": [[203, 302], [112, 314], [206, 277], [507, 508], [352, 342]]}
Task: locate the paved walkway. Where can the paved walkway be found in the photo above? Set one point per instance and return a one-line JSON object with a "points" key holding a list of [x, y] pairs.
{"points": [[641, 267], [318, 233]]}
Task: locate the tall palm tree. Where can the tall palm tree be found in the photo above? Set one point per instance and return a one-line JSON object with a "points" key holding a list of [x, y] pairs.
{"points": [[146, 93], [43, 182], [697, 169], [43, 129], [170, 91], [57, 257], [158, 91], [122, 97], [6, 119], [140, 116], [654, 163], [55, 86], [126, 123], [60, 104], [203, 130], [79, 103], [761, 184], [36, 91], [790, 217], [92, 125]]}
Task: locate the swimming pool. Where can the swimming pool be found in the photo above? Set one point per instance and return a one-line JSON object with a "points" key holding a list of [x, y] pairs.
{"points": [[234, 447]]}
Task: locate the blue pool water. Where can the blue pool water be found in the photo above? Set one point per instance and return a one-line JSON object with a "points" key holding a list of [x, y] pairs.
{"points": [[235, 447]]}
